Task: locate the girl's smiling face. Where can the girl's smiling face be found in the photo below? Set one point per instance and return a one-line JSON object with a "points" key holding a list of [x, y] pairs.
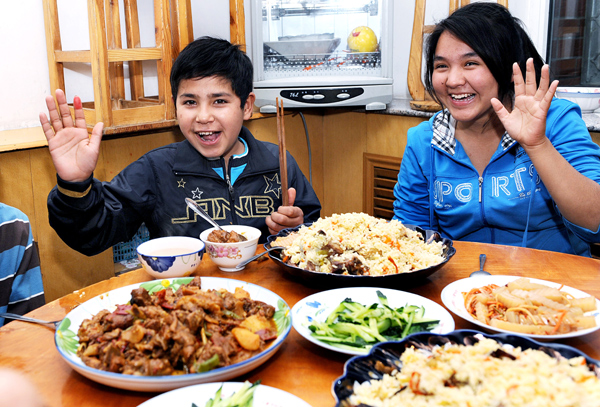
{"points": [[210, 116], [462, 82]]}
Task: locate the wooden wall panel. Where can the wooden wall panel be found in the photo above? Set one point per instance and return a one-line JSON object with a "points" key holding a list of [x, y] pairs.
{"points": [[63, 269], [16, 184], [26, 178], [386, 135], [265, 129], [344, 142], [118, 153]]}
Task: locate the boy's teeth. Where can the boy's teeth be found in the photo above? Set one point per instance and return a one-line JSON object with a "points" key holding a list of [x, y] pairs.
{"points": [[208, 135]]}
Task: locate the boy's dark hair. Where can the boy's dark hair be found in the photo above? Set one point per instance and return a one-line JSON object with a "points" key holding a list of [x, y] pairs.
{"points": [[205, 57], [495, 35]]}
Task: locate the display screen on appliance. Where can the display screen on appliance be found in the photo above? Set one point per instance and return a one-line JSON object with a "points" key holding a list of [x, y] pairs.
{"points": [[317, 37]]}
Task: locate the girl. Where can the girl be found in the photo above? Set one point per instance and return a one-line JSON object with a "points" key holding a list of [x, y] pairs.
{"points": [[503, 162]]}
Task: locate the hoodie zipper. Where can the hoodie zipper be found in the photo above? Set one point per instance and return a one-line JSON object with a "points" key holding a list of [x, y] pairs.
{"points": [[229, 186], [482, 211], [230, 189]]}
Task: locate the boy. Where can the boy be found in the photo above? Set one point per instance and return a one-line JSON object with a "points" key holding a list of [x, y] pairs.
{"points": [[220, 164]]}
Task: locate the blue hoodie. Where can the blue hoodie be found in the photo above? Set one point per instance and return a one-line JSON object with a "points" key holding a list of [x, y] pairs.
{"points": [[438, 188]]}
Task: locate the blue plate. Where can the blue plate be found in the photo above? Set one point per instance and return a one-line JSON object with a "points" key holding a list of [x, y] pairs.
{"points": [[362, 368], [340, 280]]}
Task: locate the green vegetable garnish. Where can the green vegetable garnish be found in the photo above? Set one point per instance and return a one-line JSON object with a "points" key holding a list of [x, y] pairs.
{"points": [[208, 364], [352, 325], [241, 398]]}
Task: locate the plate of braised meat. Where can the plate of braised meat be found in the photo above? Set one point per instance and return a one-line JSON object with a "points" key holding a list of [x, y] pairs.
{"points": [[166, 334]]}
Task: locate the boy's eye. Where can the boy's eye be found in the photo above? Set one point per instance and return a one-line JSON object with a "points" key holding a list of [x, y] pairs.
{"points": [[220, 101], [188, 102]]}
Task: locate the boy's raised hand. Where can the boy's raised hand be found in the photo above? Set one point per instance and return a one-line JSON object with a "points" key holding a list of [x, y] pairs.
{"points": [[73, 152], [285, 216]]}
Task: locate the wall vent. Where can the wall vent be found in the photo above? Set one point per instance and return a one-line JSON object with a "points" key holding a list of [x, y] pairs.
{"points": [[380, 176]]}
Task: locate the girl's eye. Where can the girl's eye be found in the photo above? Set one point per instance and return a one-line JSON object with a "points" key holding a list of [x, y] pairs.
{"points": [[471, 63], [439, 66]]}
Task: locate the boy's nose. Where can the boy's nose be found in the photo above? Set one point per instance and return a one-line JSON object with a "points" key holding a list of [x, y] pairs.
{"points": [[204, 115]]}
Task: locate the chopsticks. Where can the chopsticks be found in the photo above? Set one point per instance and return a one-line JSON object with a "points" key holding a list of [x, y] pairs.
{"points": [[282, 154]]}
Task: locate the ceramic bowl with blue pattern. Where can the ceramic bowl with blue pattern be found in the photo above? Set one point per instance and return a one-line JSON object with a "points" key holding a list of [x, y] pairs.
{"points": [[171, 256]]}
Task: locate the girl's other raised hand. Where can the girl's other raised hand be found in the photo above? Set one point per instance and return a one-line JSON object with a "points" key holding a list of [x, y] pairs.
{"points": [[74, 152], [526, 123]]}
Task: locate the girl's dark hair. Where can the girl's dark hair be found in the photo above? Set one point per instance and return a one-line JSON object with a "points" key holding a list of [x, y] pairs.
{"points": [[495, 35], [205, 57]]}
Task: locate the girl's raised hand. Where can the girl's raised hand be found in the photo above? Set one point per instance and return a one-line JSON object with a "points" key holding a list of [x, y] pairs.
{"points": [[526, 123], [73, 152]]}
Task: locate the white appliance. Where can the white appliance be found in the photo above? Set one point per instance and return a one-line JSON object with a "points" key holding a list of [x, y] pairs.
{"points": [[301, 53]]}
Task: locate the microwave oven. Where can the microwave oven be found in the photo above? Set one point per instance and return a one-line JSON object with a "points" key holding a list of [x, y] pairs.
{"points": [[321, 53]]}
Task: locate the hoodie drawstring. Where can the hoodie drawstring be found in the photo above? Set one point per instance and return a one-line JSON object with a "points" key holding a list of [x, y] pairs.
{"points": [[533, 184], [431, 185]]}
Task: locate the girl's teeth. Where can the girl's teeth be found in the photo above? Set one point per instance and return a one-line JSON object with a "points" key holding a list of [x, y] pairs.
{"points": [[461, 96]]}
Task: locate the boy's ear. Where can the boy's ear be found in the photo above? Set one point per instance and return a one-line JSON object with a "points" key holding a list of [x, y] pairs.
{"points": [[249, 106]]}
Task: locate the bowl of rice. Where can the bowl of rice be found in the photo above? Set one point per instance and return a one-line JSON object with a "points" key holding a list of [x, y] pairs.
{"points": [[467, 367], [356, 249]]}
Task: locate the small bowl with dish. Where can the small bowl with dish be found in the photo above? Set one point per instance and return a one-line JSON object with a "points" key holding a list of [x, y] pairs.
{"points": [[588, 99], [227, 248], [171, 256]]}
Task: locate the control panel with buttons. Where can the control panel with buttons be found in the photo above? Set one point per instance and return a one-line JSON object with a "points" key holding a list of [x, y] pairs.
{"points": [[322, 95]]}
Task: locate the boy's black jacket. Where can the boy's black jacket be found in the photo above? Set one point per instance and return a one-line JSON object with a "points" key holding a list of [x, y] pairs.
{"points": [[153, 190]]}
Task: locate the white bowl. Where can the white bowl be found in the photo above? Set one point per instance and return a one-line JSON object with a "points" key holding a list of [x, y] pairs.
{"points": [[228, 255], [588, 99], [171, 256]]}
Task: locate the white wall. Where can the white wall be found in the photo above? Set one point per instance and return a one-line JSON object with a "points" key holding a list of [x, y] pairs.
{"points": [[23, 63], [24, 66], [24, 79]]}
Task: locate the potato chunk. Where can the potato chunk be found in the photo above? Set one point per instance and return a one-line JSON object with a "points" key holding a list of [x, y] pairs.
{"points": [[256, 323], [247, 340]]}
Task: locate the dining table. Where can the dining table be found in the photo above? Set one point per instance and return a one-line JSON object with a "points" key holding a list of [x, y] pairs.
{"points": [[299, 367]]}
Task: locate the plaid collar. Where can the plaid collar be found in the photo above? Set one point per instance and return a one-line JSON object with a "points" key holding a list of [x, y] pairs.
{"points": [[443, 133]]}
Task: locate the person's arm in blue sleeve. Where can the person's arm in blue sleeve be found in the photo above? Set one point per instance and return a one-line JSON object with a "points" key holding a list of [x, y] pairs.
{"points": [[570, 136], [21, 287], [576, 195], [411, 205]]}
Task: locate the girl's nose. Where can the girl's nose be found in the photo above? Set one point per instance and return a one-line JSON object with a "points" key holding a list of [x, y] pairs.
{"points": [[455, 78]]}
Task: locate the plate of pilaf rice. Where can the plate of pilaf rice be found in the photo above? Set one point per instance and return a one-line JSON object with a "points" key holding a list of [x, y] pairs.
{"points": [[356, 249], [469, 368]]}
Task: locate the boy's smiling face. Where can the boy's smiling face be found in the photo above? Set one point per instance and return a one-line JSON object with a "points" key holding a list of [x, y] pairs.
{"points": [[210, 116]]}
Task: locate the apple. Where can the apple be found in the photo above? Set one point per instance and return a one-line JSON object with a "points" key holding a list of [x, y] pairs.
{"points": [[362, 39]]}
